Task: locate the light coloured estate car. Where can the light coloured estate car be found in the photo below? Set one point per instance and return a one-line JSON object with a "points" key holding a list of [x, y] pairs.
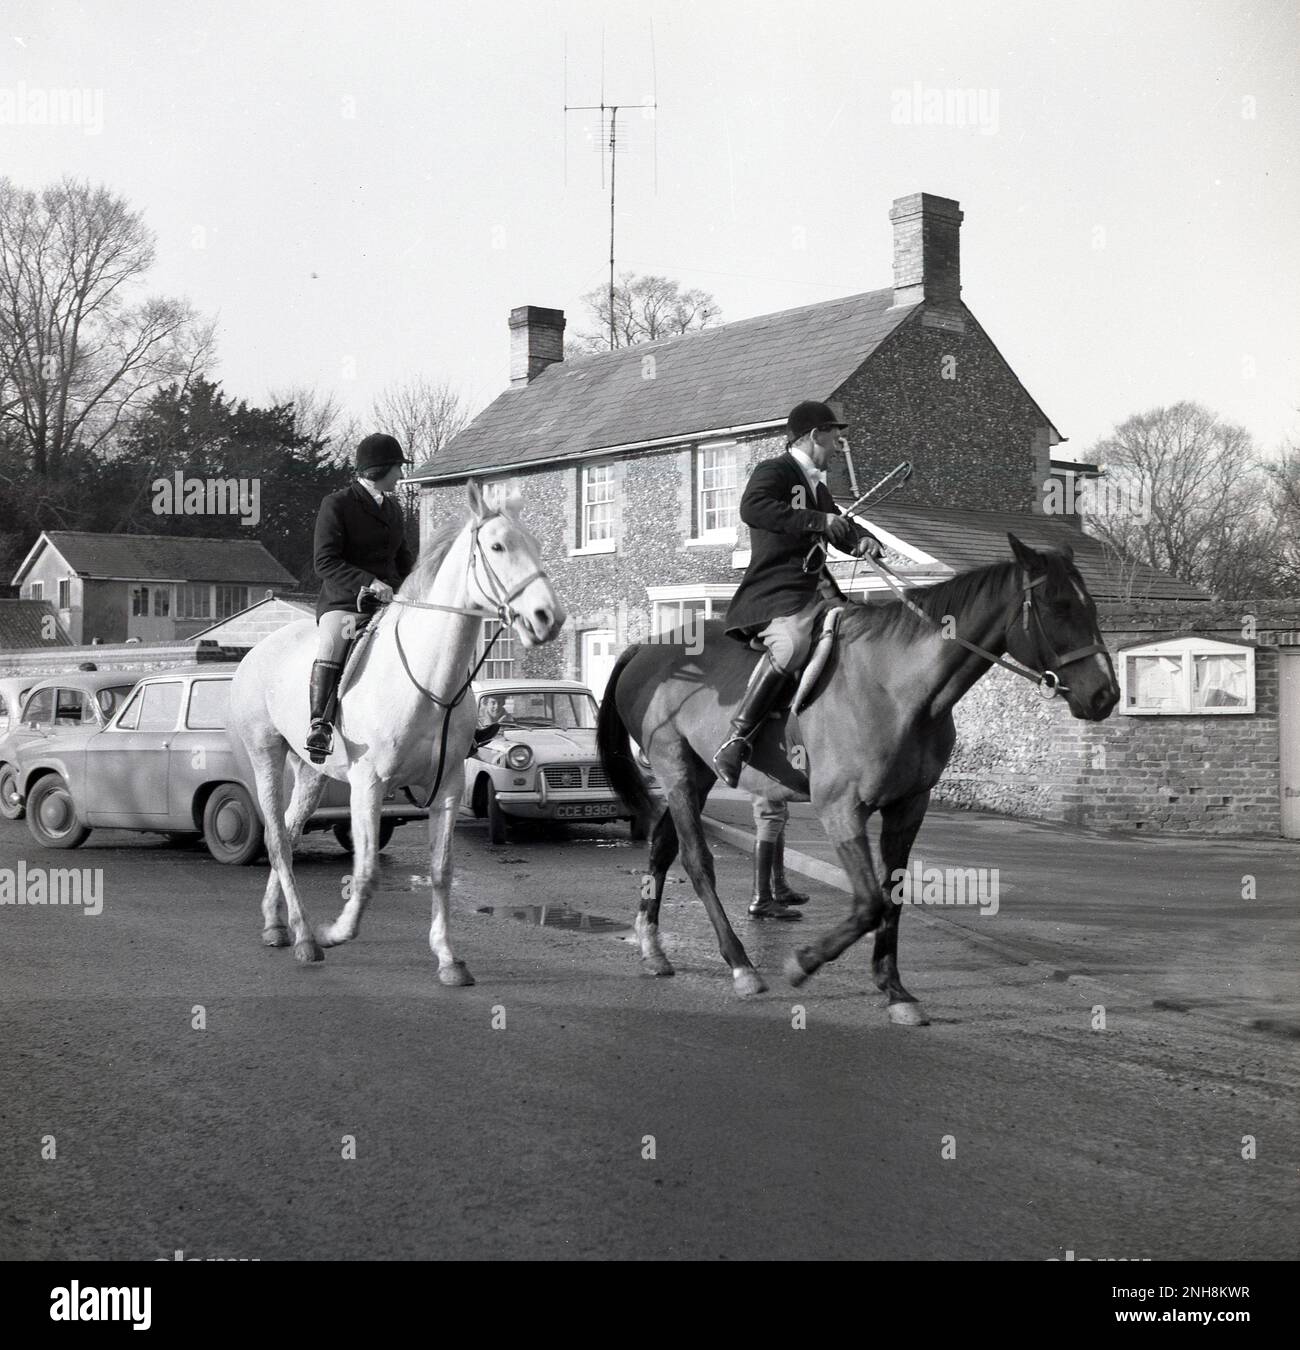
{"points": [[164, 761], [542, 763], [53, 706], [12, 690]]}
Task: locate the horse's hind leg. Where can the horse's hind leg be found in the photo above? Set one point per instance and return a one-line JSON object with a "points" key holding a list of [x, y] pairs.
{"points": [[686, 787], [365, 803], [308, 784], [663, 849], [899, 825], [268, 769]]}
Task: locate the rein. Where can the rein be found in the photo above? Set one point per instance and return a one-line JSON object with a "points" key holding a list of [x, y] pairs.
{"points": [[502, 610], [1046, 680]]}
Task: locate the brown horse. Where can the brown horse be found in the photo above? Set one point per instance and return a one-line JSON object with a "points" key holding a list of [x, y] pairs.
{"points": [[878, 732]]}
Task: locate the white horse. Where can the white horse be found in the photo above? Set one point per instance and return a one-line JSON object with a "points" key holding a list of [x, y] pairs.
{"points": [[394, 725]]}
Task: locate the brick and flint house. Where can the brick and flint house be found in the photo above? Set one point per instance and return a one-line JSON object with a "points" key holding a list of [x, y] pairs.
{"points": [[631, 465], [150, 588]]}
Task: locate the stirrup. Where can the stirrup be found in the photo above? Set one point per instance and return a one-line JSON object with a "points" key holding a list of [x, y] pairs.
{"points": [[320, 741]]}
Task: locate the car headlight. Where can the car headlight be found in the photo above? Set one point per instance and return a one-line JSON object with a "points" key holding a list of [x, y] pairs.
{"points": [[519, 756], [641, 759]]}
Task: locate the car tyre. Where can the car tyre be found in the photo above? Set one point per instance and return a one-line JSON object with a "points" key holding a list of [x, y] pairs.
{"points": [[496, 817], [232, 829], [343, 833], [52, 815], [9, 809]]}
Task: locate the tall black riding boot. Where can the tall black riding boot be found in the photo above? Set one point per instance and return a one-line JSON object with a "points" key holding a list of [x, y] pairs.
{"points": [[324, 685], [764, 904], [782, 892], [764, 688]]}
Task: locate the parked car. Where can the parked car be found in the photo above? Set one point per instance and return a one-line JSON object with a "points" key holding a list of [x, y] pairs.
{"points": [[538, 760], [12, 689], [164, 761], [81, 700]]}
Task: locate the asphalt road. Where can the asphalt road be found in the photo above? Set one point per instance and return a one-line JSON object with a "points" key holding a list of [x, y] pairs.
{"points": [[516, 1118]]}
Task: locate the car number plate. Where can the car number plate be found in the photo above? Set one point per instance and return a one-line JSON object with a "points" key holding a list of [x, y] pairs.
{"points": [[582, 809]]}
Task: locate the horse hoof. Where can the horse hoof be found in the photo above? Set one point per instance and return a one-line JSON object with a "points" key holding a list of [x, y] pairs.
{"points": [[327, 937], [908, 1015], [275, 937], [794, 972], [659, 964], [748, 982], [456, 975], [307, 952]]}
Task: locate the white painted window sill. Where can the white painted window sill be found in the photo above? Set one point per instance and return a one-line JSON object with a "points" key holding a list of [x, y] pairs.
{"points": [[724, 539], [600, 546], [740, 558]]}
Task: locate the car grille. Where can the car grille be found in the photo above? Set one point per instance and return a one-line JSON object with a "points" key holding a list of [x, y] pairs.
{"points": [[596, 777], [562, 776]]}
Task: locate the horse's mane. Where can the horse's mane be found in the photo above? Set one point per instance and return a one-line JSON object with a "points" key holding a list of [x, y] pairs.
{"points": [[439, 543], [893, 618]]}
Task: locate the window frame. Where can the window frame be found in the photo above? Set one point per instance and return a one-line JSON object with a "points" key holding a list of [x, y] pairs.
{"points": [[716, 534], [607, 543], [490, 667], [1186, 650], [185, 589]]}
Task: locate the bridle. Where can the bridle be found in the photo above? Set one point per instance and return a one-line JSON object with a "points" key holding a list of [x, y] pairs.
{"points": [[502, 609], [1048, 681]]}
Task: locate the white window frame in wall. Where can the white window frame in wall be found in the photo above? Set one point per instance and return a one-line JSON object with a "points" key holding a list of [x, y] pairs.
{"points": [[1181, 654], [608, 543], [723, 534], [36, 590], [501, 664], [65, 593], [715, 596]]}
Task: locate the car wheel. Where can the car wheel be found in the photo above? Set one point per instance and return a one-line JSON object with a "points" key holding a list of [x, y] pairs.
{"points": [[52, 815], [10, 807], [343, 833], [496, 817], [232, 829]]}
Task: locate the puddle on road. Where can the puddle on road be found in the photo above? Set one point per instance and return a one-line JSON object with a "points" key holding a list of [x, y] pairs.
{"points": [[556, 916]]}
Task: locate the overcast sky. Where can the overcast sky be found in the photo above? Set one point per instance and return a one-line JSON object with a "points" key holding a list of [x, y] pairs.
{"points": [[362, 191]]}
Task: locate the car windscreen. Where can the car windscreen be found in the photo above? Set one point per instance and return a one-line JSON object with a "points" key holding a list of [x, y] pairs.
{"points": [[112, 698], [565, 711], [209, 705]]}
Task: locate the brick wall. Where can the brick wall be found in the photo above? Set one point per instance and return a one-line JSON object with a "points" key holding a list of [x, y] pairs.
{"points": [[947, 401]]}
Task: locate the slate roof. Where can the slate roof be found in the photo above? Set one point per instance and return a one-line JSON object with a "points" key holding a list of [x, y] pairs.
{"points": [[21, 625], [157, 557], [738, 374], [966, 539]]}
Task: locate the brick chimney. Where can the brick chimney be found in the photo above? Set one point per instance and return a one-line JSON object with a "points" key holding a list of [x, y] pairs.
{"points": [[536, 341], [927, 250]]}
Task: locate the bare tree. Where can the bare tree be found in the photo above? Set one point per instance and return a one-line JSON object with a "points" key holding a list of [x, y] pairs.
{"points": [[423, 414], [321, 418], [645, 308], [1284, 508], [1186, 496], [78, 347]]}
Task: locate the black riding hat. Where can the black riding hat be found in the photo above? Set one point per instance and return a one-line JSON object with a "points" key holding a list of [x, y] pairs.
{"points": [[810, 416], [379, 450]]}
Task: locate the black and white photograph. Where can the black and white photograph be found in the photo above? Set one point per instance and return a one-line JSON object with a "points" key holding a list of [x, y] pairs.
{"points": [[649, 632]]}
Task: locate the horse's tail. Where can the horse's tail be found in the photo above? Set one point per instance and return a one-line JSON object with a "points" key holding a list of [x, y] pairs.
{"points": [[615, 747]]}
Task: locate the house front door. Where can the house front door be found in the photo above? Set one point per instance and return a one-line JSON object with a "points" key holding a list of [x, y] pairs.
{"points": [[599, 652]]}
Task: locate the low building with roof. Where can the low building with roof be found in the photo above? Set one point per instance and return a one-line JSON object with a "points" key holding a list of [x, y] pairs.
{"points": [[112, 588]]}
